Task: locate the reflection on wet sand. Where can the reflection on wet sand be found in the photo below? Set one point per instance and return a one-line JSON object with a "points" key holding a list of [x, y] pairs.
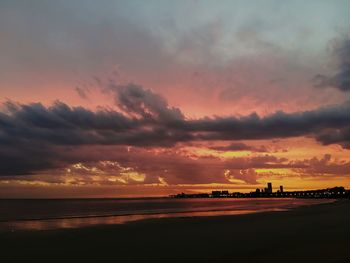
{"points": [[110, 220]]}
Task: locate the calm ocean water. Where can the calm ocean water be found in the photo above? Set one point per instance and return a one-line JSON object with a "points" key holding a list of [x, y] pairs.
{"points": [[73, 213]]}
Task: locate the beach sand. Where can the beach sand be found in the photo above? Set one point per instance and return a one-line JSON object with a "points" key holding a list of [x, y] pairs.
{"points": [[319, 233]]}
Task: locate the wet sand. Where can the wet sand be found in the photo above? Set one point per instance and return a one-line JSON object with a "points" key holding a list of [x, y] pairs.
{"points": [[319, 233]]}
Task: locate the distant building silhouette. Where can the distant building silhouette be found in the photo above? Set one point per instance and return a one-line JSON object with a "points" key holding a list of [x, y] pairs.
{"points": [[224, 193], [269, 188], [332, 193], [216, 193]]}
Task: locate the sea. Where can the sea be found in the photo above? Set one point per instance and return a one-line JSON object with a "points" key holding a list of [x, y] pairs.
{"points": [[45, 214]]}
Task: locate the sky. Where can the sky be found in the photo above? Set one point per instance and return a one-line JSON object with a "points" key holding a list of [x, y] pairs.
{"points": [[151, 98]]}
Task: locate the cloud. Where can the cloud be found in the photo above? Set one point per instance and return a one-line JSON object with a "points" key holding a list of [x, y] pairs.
{"points": [[117, 165], [34, 137], [317, 124], [82, 92], [239, 147], [323, 166], [229, 64], [249, 176], [135, 100], [341, 79]]}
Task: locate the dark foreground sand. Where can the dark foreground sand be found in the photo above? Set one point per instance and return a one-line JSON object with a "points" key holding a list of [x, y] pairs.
{"points": [[318, 233]]}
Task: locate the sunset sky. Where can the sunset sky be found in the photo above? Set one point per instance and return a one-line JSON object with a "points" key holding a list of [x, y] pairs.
{"points": [[150, 98]]}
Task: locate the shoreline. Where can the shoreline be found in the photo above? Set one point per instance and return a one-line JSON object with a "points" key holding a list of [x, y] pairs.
{"points": [[316, 233], [82, 221]]}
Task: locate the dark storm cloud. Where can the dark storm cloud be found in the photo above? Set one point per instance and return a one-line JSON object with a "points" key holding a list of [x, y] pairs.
{"points": [[134, 99], [61, 124], [239, 147], [318, 123], [341, 79], [32, 136], [336, 136]]}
